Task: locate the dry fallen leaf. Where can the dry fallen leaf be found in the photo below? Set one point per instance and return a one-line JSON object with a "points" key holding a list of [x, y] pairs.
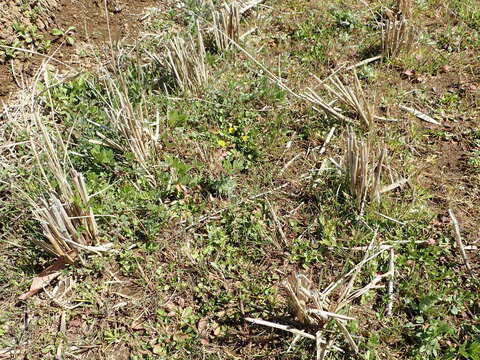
{"points": [[137, 324], [46, 277], [408, 73], [446, 68], [202, 326]]}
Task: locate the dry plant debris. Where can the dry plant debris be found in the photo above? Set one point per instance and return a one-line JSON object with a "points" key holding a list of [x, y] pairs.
{"points": [[226, 28], [316, 308], [405, 7], [419, 115], [66, 216], [363, 176], [130, 123], [397, 36], [351, 96], [458, 239], [186, 58]]}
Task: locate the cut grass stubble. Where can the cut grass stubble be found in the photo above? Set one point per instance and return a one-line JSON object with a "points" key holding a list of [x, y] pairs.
{"points": [[66, 216], [186, 58]]}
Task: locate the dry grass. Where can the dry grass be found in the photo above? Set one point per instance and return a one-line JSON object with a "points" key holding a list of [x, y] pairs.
{"points": [[363, 176], [405, 7], [66, 216], [397, 36], [351, 96], [130, 122], [316, 308], [186, 58], [226, 26]]}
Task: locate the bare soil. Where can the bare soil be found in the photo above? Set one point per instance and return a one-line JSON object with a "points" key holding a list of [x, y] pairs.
{"points": [[95, 22]]}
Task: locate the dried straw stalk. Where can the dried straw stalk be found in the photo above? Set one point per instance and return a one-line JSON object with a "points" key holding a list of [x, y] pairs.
{"points": [[405, 7], [226, 29], [66, 217], [186, 58], [316, 308], [130, 123], [363, 178], [397, 36], [458, 239], [351, 96]]}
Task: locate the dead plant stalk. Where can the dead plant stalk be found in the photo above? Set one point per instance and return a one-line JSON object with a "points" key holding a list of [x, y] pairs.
{"points": [[66, 217], [186, 58], [397, 36]]}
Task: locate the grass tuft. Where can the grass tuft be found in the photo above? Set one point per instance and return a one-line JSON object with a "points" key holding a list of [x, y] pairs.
{"points": [[397, 36], [226, 29], [186, 58]]}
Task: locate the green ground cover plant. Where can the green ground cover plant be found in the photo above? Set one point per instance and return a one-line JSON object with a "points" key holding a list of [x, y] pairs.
{"points": [[250, 181]]}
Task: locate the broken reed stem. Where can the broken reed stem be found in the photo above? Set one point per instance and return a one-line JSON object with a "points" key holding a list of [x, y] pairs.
{"points": [[458, 238], [397, 36], [249, 5], [391, 270], [226, 26], [311, 96], [130, 123], [290, 329], [186, 58], [352, 96], [364, 182]]}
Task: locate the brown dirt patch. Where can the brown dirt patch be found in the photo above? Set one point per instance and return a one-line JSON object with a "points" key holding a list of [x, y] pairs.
{"points": [[125, 21], [451, 182]]}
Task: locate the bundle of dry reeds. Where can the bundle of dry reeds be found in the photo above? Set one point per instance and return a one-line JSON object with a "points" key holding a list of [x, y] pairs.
{"points": [[351, 96], [66, 216], [316, 308], [226, 26], [130, 123], [397, 36], [68, 226], [363, 177], [186, 58]]}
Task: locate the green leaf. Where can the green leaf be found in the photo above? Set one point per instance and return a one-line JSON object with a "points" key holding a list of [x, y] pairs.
{"points": [[57, 32]]}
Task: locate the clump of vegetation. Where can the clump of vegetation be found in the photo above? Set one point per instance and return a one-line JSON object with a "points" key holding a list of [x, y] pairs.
{"points": [[191, 196], [186, 58], [397, 36], [66, 216], [363, 173], [226, 22]]}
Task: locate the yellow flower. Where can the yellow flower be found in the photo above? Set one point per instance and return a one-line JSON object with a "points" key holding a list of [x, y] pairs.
{"points": [[244, 138], [221, 143], [231, 129]]}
